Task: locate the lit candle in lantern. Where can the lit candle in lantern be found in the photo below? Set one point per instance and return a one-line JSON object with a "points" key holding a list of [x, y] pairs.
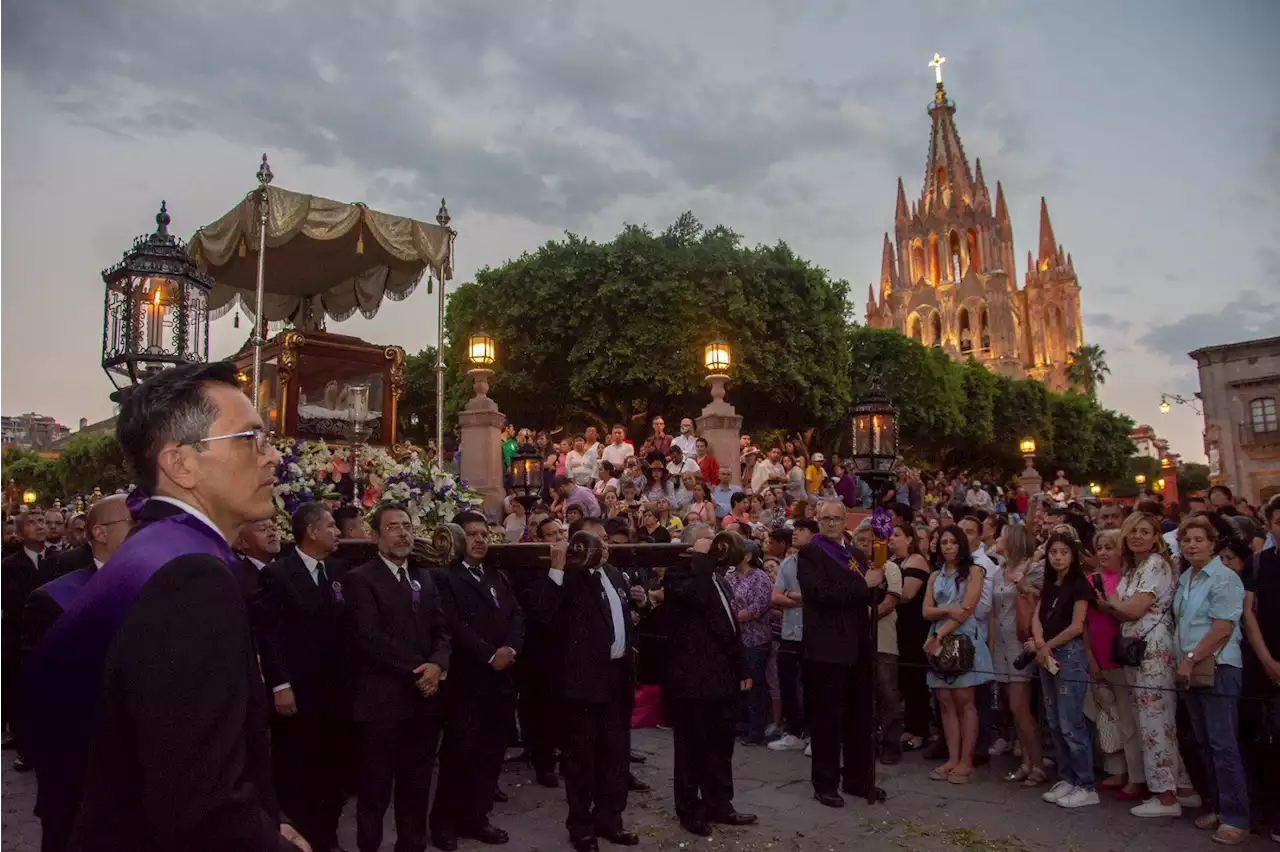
{"points": [[155, 319]]}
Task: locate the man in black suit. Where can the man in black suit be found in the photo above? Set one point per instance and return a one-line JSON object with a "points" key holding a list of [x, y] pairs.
{"points": [[704, 676], [107, 524], [487, 629], [303, 643], [402, 651], [587, 611], [835, 582], [535, 670], [151, 710], [258, 545], [30, 567]]}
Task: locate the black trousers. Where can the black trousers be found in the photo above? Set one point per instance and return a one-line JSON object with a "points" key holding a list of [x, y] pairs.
{"points": [[838, 700], [539, 730], [311, 757], [888, 705], [917, 709], [476, 733], [704, 736], [400, 754], [597, 757], [790, 659]]}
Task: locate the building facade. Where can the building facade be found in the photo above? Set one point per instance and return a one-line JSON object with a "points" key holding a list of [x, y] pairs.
{"points": [[32, 431], [948, 276], [1240, 386], [1147, 444]]}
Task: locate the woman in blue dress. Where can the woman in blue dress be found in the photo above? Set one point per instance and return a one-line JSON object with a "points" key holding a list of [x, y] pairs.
{"points": [[950, 599]]}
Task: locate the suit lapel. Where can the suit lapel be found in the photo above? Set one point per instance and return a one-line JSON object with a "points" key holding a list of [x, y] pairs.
{"points": [[723, 587], [310, 593]]}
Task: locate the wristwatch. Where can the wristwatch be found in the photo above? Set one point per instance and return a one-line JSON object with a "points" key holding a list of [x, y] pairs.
{"points": [[1191, 657]]}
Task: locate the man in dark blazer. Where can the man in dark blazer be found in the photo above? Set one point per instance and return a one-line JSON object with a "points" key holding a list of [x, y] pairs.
{"points": [[835, 582], [108, 523], [587, 612], [303, 642], [401, 653], [704, 675], [151, 707], [257, 546], [30, 567], [487, 629]]}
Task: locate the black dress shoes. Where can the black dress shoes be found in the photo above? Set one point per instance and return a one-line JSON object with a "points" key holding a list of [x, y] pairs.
{"points": [[637, 757], [831, 800], [635, 785], [547, 778], [487, 834], [586, 844], [700, 827], [499, 796], [735, 818], [20, 765], [877, 793], [621, 837], [444, 842]]}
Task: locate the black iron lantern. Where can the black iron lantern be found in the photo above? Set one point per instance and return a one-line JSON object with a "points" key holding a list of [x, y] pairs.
{"points": [[875, 435], [156, 311], [526, 475]]}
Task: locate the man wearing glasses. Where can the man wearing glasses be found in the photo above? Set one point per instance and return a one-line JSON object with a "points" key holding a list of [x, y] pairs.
{"points": [[150, 711], [835, 583]]}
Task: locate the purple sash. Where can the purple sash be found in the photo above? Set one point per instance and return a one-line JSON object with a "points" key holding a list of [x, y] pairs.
{"points": [[838, 552], [66, 588], [63, 677]]}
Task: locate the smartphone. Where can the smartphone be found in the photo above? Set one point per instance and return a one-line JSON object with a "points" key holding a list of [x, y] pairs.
{"points": [[1098, 587]]}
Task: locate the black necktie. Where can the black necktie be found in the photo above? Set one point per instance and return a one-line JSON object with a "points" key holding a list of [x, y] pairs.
{"points": [[597, 577], [404, 581], [323, 582]]}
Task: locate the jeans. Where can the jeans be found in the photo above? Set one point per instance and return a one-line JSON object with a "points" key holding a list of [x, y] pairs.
{"points": [[1064, 714], [790, 656], [754, 703], [1214, 718]]}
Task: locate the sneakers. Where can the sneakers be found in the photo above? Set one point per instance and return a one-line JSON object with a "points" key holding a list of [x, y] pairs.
{"points": [[773, 731], [1153, 808], [1078, 798], [999, 747], [1192, 801], [1056, 792], [788, 742], [808, 750]]}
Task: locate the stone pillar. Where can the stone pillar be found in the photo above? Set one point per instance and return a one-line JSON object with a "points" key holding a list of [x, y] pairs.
{"points": [[721, 425], [1030, 477], [1169, 473], [480, 423]]}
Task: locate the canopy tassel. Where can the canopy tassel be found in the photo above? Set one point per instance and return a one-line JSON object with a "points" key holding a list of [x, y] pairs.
{"points": [[236, 322], [241, 248], [360, 241]]}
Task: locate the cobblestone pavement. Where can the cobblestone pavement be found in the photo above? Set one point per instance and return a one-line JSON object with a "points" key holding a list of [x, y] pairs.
{"points": [[986, 815]]}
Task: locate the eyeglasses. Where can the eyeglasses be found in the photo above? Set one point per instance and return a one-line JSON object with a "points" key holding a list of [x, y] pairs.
{"points": [[831, 519], [261, 439]]}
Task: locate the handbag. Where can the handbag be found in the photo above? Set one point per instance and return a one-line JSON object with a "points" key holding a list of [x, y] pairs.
{"points": [[1203, 671], [1129, 653], [1024, 612], [955, 656]]}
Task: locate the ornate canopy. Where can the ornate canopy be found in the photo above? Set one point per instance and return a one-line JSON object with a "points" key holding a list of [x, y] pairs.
{"points": [[324, 257]]}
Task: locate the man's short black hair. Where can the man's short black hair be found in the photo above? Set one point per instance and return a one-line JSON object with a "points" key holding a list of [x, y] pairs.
{"points": [[1222, 489], [304, 516], [615, 526], [383, 508], [807, 524], [781, 534], [1272, 507], [561, 480], [469, 517], [344, 515], [542, 523], [172, 407], [736, 498]]}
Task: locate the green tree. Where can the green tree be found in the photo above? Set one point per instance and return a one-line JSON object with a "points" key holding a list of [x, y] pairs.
{"points": [[1192, 478], [614, 332], [1087, 368], [92, 460], [416, 410], [27, 470]]}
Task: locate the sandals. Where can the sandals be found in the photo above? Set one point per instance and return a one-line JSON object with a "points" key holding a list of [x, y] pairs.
{"points": [[1019, 774], [1036, 778], [1208, 822], [942, 773], [959, 777], [1115, 782], [1230, 835]]}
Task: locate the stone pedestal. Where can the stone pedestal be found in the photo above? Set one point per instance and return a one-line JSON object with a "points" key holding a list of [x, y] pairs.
{"points": [[480, 425], [721, 425]]}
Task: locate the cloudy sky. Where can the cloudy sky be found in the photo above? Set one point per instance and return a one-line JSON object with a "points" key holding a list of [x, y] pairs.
{"points": [[1152, 127]]}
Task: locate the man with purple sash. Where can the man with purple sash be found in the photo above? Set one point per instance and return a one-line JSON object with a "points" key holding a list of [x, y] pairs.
{"points": [[835, 583], [146, 709]]}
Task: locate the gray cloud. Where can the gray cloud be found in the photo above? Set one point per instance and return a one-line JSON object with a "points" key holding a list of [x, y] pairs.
{"points": [[1248, 315], [1109, 322]]}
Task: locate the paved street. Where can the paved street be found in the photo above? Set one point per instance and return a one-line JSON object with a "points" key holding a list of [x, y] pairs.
{"points": [[984, 816]]}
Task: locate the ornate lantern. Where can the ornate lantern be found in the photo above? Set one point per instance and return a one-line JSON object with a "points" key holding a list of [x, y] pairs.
{"points": [[155, 314], [29, 497], [526, 475], [875, 435], [1140, 479], [480, 350], [1027, 446], [716, 357]]}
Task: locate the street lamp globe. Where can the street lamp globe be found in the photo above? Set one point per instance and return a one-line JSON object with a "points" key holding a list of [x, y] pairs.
{"points": [[29, 497], [1027, 446], [1164, 406], [717, 358], [1140, 479], [480, 350]]}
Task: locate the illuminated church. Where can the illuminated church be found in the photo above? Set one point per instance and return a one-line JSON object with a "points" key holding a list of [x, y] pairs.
{"points": [[947, 277]]}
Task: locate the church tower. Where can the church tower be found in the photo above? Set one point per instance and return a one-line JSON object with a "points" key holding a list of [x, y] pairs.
{"points": [[948, 277]]}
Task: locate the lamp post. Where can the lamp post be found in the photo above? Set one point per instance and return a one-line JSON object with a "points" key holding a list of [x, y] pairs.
{"points": [[720, 423], [480, 424], [875, 437], [1167, 398], [1030, 477], [155, 313]]}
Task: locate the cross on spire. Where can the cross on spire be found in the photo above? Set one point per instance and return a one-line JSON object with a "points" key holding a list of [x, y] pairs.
{"points": [[936, 65]]}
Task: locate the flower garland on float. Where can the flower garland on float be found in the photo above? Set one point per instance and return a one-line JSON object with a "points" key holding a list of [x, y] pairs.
{"points": [[313, 470]]}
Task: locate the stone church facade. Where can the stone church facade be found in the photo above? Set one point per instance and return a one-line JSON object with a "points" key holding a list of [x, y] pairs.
{"points": [[948, 279]]}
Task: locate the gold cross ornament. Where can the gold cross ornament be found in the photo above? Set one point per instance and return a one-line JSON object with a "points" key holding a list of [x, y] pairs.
{"points": [[936, 65]]}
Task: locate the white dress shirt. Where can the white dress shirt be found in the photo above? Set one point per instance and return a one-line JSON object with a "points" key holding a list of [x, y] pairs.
{"points": [[617, 454], [36, 558], [395, 569], [256, 563], [619, 647], [688, 445], [191, 510]]}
